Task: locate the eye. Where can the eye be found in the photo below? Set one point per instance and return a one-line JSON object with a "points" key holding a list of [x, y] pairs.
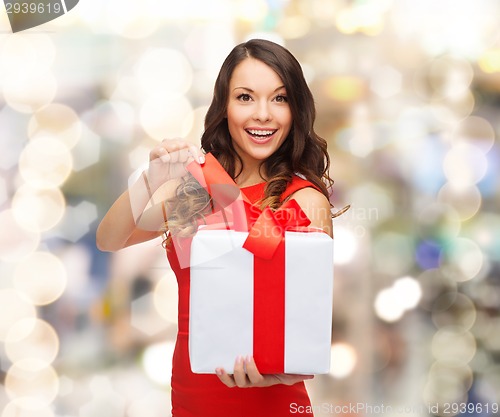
{"points": [[281, 98], [244, 97]]}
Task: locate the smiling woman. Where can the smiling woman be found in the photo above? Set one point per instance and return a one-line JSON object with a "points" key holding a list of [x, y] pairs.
{"points": [[259, 127]]}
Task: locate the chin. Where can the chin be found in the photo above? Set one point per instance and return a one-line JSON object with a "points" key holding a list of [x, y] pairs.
{"points": [[261, 155]]}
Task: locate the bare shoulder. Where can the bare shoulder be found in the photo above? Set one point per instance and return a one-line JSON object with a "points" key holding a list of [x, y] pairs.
{"points": [[316, 206]]}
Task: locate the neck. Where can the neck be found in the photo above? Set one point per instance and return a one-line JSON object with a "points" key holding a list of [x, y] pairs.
{"points": [[250, 174]]}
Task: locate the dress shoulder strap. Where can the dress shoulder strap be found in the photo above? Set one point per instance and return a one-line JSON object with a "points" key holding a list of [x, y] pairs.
{"points": [[297, 184]]}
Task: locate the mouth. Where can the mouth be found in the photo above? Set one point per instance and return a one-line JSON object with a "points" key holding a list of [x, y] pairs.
{"points": [[261, 135]]}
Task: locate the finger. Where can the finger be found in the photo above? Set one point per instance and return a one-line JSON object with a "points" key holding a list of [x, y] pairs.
{"points": [[225, 377], [175, 144], [185, 155], [253, 373], [300, 377], [157, 152], [290, 379], [240, 376], [189, 152], [171, 145], [164, 155], [197, 154], [174, 156], [181, 153], [176, 151]]}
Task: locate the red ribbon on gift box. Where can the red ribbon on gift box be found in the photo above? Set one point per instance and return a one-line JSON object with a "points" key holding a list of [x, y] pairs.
{"points": [[266, 232]]}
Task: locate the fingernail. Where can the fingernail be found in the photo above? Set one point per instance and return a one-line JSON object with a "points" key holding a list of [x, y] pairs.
{"points": [[239, 359], [201, 159], [248, 359], [218, 371]]}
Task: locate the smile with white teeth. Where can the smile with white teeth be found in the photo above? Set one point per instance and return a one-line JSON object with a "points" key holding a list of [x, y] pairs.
{"points": [[261, 133]]}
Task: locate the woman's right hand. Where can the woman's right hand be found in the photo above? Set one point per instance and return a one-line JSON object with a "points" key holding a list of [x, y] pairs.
{"points": [[169, 159]]}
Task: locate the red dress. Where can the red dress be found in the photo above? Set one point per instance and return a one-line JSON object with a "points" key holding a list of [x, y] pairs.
{"points": [[201, 395]]}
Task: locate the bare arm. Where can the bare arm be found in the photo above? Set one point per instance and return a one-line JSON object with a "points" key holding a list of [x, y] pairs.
{"points": [[119, 229], [134, 218], [317, 208]]}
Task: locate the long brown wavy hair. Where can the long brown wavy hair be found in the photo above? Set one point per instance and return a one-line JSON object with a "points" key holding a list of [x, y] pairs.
{"points": [[303, 152]]}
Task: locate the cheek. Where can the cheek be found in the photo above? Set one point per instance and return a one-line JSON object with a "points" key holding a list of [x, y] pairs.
{"points": [[233, 123], [286, 119], [231, 120], [284, 114], [234, 117]]}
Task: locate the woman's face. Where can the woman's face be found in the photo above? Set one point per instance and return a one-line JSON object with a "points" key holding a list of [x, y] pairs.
{"points": [[258, 114]]}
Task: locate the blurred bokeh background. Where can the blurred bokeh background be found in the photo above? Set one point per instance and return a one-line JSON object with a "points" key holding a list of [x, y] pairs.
{"points": [[408, 97]]}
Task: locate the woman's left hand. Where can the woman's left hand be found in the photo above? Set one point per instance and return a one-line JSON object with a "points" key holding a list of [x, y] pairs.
{"points": [[246, 375]]}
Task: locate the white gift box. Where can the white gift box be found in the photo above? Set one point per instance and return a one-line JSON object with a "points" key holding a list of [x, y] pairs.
{"points": [[221, 324]]}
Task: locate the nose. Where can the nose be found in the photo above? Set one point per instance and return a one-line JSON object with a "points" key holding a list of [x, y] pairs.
{"points": [[262, 111]]}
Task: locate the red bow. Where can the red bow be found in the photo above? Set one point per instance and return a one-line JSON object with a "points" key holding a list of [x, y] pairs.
{"points": [[269, 229], [266, 228]]}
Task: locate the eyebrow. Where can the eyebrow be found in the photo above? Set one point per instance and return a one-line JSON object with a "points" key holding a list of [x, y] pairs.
{"points": [[251, 91]]}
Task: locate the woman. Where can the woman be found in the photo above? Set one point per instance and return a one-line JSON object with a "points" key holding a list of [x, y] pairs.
{"points": [[259, 126]]}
